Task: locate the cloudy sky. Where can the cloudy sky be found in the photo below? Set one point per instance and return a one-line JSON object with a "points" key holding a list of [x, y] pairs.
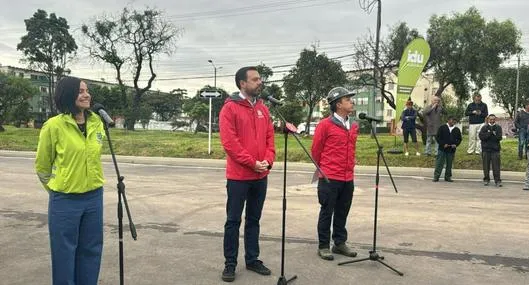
{"points": [[238, 33]]}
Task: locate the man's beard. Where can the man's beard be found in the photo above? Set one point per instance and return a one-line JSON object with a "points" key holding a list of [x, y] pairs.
{"points": [[255, 93]]}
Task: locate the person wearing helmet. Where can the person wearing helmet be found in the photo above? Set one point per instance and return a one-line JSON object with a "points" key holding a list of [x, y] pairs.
{"points": [[408, 117], [333, 149]]}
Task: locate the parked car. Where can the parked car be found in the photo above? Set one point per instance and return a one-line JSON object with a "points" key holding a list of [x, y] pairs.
{"points": [[312, 128]]}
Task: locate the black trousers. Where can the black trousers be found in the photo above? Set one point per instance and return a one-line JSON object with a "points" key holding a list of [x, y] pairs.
{"points": [[253, 194], [491, 157], [335, 199]]}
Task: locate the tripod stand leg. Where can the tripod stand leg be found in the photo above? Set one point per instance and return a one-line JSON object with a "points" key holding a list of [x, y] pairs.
{"points": [[353, 261], [395, 270], [283, 280]]}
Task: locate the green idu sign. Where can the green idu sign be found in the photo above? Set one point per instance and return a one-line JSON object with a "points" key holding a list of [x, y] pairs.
{"points": [[414, 58]]}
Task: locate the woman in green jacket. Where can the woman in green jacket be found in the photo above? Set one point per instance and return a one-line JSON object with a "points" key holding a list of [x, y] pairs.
{"points": [[68, 164]]}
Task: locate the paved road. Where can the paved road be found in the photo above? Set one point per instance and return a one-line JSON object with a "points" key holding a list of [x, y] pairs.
{"points": [[442, 233]]}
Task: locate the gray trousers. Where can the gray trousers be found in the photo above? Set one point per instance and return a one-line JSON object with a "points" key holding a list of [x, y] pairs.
{"points": [[491, 157]]}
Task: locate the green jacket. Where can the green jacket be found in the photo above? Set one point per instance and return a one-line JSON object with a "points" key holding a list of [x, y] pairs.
{"points": [[66, 161]]}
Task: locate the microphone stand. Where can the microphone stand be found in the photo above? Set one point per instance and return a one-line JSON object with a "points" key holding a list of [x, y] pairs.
{"points": [[373, 254], [282, 279], [121, 194]]}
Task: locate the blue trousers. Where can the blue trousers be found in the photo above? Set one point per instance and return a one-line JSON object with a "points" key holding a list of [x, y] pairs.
{"points": [[76, 237], [253, 193]]}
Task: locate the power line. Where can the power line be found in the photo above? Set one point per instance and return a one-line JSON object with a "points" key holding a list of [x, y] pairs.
{"points": [[276, 8]]}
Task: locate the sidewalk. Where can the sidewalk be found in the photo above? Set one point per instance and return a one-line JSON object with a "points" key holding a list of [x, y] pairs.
{"points": [[416, 172]]}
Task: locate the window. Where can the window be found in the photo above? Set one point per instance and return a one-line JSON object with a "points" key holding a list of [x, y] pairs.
{"points": [[364, 101], [389, 113], [43, 78], [21, 75], [34, 77], [44, 89], [379, 99]]}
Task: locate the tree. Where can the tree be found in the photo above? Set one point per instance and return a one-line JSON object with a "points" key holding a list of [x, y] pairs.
{"points": [[20, 114], [14, 93], [503, 88], [110, 97], [197, 111], [265, 72], [166, 105], [312, 78], [466, 50], [390, 53], [134, 39], [48, 46]]}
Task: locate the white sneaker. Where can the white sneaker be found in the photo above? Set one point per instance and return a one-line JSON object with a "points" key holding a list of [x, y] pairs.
{"points": [[406, 153], [418, 154]]}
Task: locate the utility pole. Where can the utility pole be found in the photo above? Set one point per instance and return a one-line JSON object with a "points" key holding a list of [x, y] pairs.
{"points": [[215, 86], [517, 87]]}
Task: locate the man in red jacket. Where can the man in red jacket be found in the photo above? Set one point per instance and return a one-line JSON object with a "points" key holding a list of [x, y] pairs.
{"points": [[247, 135], [333, 149]]}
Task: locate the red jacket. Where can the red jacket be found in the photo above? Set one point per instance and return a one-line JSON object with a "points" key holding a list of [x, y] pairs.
{"points": [[247, 135], [334, 148]]}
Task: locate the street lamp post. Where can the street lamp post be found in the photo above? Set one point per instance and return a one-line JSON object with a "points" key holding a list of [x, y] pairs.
{"points": [[214, 86]]}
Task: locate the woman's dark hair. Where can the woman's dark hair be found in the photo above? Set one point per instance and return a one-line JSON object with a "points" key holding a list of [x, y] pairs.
{"points": [[66, 93]]}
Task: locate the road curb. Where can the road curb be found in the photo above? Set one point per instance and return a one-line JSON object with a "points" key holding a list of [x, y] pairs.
{"points": [[278, 165]]}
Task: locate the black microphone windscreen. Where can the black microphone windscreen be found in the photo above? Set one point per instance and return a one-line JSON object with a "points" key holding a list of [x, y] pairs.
{"points": [[362, 116], [96, 107]]}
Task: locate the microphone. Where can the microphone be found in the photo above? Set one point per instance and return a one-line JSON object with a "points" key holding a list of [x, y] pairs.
{"points": [[100, 110], [271, 99], [363, 116]]}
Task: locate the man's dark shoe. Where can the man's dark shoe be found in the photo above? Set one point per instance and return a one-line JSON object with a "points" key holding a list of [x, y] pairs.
{"points": [[449, 180], [228, 275], [325, 254], [498, 184], [258, 267], [343, 249], [486, 183], [435, 180]]}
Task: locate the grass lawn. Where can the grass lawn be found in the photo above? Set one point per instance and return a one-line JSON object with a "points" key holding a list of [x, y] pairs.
{"points": [[180, 144]]}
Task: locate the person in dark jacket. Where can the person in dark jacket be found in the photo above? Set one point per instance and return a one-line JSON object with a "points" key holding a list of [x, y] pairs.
{"points": [[449, 137], [477, 112], [490, 136], [247, 136], [333, 149], [408, 117], [521, 123]]}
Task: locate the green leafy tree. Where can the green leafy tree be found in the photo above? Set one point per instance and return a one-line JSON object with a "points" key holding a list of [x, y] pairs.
{"points": [[48, 46], [166, 105], [311, 79], [466, 50], [197, 111], [14, 93], [503, 88], [133, 40], [110, 97]]}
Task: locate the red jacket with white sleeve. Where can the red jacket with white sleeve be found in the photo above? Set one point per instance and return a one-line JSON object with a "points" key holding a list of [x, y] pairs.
{"points": [[334, 148], [247, 135]]}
